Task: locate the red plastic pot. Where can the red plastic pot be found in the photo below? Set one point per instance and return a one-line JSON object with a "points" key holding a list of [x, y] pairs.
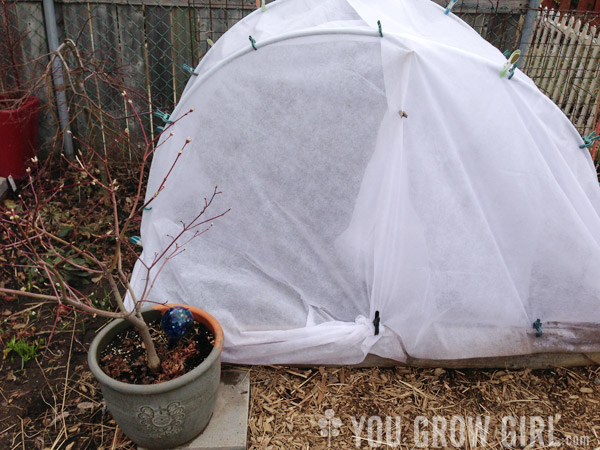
{"points": [[18, 135]]}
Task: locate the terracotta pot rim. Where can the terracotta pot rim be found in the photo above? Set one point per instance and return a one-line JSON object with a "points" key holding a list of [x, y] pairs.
{"points": [[165, 386], [199, 316]]}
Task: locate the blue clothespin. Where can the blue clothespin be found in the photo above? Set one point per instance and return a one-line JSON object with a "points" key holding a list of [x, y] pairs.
{"points": [[164, 116], [253, 42], [379, 25], [160, 129], [450, 6], [147, 208], [136, 240], [589, 140], [537, 325], [511, 64], [189, 69]]}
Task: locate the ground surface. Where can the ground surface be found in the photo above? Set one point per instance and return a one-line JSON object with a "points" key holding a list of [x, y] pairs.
{"points": [[53, 402]]}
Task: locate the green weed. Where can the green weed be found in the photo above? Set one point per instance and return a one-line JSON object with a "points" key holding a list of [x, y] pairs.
{"points": [[102, 303], [26, 350]]}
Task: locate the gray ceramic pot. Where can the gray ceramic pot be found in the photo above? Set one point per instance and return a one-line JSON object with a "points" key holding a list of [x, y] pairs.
{"points": [[164, 415]]}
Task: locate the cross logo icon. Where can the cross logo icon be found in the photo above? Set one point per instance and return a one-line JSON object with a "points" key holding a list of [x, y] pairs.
{"points": [[330, 425]]}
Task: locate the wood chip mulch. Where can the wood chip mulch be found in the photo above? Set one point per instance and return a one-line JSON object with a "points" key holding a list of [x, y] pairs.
{"points": [[321, 408]]}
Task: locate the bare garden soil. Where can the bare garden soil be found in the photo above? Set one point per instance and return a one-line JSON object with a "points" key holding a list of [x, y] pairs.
{"points": [[51, 401], [124, 359]]}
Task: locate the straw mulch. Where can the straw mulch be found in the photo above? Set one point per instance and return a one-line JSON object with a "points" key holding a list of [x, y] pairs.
{"points": [[288, 407]]}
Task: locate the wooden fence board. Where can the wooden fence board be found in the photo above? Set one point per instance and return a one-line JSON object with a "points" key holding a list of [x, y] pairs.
{"points": [[589, 89], [105, 41], [181, 50], [204, 31], [77, 28], [34, 49], [534, 63], [591, 103], [132, 45], [576, 69], [564, 61], [33, 42], [569, 45], [548, 81], [160, 62], [151, 39]]}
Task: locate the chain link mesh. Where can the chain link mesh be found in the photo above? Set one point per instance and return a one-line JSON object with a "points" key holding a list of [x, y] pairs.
{"points": [[142, 46]]}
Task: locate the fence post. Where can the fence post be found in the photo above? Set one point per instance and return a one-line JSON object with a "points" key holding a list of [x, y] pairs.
{"points": [[57, 76], [532, 10]]}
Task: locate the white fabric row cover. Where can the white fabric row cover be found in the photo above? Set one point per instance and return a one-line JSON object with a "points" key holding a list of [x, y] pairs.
{"points": [[397, 174]]}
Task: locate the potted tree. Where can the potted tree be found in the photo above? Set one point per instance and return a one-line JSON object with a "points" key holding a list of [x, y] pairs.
{"points": [[19, 110], [178, 403]]}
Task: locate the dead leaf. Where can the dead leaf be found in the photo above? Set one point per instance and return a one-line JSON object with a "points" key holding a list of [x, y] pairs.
{"points": [[85, 405], [59, 417]]}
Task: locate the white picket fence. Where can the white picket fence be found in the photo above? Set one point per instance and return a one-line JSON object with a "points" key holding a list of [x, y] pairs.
{"points": [[563, 59]]}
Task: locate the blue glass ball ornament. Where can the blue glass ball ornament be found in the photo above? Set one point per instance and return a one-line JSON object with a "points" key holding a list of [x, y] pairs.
{"points": [[176, 322]]}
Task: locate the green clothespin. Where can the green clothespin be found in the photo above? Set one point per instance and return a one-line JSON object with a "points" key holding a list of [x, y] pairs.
{"points": [[164, 116], [511, 64], [253, 42], [160, 129], [379, 25], [589, 140], [136, 240]]}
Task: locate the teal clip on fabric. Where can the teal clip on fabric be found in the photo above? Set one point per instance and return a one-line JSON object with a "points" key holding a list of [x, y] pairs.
{"points": [[189, 69], [537, 325], [511, 64], [450, 6], [163, 116], [136, 240], [589, 140], [253, 42]]}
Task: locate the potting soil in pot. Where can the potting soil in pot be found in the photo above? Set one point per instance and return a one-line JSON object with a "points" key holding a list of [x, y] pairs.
{"points": [[124, 359]]}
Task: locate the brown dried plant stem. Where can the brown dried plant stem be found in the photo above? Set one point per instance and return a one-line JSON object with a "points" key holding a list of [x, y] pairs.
{"points": [[28, 230]]}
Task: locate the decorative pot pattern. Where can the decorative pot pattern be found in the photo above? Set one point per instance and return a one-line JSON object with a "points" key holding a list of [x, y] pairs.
{"points": [[163, 421], [168, 414]]}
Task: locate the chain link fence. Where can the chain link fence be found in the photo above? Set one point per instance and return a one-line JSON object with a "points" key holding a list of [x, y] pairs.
{"points": [[143, 45]]}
